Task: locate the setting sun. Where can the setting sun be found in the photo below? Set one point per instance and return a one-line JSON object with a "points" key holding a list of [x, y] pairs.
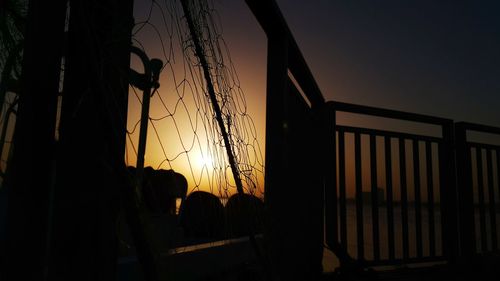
{"points": [[184, 133], [203, 161]]}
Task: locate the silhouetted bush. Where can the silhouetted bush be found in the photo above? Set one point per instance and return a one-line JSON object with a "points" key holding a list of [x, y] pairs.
{"points": [[161, 188], [244, 215], [202, 217]]}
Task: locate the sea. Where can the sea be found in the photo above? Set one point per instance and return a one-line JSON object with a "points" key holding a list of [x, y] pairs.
{"points": [[330, 261]]}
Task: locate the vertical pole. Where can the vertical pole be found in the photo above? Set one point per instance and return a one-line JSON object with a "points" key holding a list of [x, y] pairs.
{"points": [[465, 192], [340, 248], [342, 191], [132, 192], [29, 182], [491, 199], [404, 197], [389, 195], [447, 183], [143, 131], [359, 196], [418, 201], [276, 130], [374, 197], [330, 174], [146, 97], [90, 164], [481, 199], [430, 198], [213, 98]]}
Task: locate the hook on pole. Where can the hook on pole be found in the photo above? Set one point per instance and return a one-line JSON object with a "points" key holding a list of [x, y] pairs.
{"points": [[144, 81]]}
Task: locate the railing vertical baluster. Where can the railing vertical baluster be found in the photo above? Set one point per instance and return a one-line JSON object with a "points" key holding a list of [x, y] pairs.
{"points": [[448, 193], [480, 193], [430, 198], [418, 212], [359, 195], [330, 174], [465, 192], [498, 181], [388, 183], [491, 195], [374, 197], [342, 189], [404, 197], [287, 57]]}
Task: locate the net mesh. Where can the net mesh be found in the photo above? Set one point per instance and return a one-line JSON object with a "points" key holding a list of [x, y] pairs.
{"points": [[183, 133]]}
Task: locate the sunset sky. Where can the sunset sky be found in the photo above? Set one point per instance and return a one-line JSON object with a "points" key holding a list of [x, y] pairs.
{"points": [[433, 57], [438, 58]]}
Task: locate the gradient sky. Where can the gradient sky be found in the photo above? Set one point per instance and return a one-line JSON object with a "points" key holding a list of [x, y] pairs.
{"points": [[439, 58]]}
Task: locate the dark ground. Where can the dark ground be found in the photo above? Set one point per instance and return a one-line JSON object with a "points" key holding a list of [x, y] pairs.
{"points": [[484, 268]]}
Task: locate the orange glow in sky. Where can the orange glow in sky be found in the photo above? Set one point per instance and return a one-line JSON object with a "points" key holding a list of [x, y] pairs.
{"points": [[182, 133], [365, 53]]}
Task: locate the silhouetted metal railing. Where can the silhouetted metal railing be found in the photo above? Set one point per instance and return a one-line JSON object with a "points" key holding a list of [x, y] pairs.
{"points": [[412, 165], [478, 165], [424, 176], [294, 232]]}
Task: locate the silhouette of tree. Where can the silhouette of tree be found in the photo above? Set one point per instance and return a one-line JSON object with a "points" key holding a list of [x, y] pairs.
{"points": [[12, 25]]}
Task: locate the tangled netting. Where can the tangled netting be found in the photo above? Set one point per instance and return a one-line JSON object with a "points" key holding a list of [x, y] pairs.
{"points": [[184, 134]]}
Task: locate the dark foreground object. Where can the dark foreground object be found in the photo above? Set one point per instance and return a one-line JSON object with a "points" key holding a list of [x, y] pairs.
{"points": [[484, 268]]}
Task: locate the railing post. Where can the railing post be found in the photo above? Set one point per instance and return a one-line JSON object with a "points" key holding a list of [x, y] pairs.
{"points": [[448, 198], [330, 175], [465, 194], [275, 150]]}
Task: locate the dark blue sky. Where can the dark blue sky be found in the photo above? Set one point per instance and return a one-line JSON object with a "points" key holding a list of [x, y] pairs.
{"points": [[434, 57]]}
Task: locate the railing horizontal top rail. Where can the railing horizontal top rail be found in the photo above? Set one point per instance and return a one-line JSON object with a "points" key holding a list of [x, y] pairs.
{"points": [[386, 133], [483, 145], [479, 127], [388, 113]]}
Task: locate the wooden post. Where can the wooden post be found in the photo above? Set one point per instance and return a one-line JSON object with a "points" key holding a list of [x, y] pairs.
{"points": [[29, 180], [90, 164]]}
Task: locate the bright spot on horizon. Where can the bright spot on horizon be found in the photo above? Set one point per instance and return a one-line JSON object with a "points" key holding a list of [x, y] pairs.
{"points": [[203, 161]]}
